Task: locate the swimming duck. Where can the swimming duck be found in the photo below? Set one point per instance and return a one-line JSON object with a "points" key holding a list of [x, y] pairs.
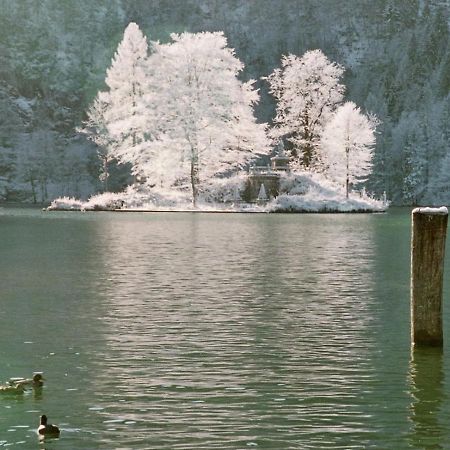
{"points": [[47, 429], [20, 384], [12, 388], [37, 381]]}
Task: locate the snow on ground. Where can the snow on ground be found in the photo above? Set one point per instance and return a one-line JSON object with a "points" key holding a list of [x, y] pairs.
{"points": [[66, 204], [313, 203], [312, 192], [301, 192]]}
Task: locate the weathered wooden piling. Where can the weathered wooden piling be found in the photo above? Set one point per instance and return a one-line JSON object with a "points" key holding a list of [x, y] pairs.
{"points": [[429, 230]]}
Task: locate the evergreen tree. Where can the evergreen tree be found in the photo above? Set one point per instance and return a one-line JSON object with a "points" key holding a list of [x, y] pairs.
{"points": [[13, 121], [414, 174], [124, 108], [436, 37], [392, 18], [444, 74], [442, 181]]}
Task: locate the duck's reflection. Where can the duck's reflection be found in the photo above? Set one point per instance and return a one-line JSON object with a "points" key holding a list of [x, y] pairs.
{"points": [[427, 391]]}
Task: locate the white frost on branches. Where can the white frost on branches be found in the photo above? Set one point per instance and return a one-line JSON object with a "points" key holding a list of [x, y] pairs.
{"points": [[125, 111], [96, 129], [347, 142], [183, 119], [307, 91], [180, 116], [209, 128]]}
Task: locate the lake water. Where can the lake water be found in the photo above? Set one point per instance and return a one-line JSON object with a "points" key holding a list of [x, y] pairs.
{"points": [[216, 331]]}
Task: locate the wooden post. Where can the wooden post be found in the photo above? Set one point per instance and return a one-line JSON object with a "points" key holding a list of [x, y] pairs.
{"points": [[429, 229]]}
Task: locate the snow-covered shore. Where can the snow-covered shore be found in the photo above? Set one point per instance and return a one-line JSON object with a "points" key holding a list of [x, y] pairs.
{"points": [[301, 193], [287, 204]]}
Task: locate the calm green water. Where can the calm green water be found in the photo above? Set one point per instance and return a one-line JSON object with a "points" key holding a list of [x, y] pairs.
{"points": [[210, 331]]}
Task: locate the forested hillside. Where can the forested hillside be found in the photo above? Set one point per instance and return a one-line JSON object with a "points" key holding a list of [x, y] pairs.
{"points": [[54, 55]]}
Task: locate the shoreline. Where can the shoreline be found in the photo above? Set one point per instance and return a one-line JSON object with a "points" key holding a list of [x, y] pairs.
{"points": [[216, 211]]}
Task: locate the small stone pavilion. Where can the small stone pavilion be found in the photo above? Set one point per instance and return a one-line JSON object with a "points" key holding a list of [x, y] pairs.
{"points": [[263, 182]]}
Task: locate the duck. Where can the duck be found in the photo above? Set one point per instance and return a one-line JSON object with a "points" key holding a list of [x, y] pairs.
{"points": [[19, 385], [47, 429], [37, 381], [12, 388]]}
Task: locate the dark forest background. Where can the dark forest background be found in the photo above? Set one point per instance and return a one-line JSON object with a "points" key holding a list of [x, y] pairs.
{"points": [[54, 55]]}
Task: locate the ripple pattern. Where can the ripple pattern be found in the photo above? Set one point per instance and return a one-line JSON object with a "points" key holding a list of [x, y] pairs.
{"points": [[209, 331]]}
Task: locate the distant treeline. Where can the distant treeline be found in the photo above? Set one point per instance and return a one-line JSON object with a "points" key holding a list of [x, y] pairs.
{"points": [[54, 55]]}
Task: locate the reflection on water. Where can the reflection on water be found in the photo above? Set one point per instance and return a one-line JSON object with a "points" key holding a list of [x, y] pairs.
{"points": [[239, 332], [203, 331], [427, 397]]}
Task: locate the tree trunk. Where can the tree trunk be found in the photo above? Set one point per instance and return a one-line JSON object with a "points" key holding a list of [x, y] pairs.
{"points": [[307, 155], [308, 148], [105, 175], [194, 177], [43, 186], [347, 179], [33, 189]]}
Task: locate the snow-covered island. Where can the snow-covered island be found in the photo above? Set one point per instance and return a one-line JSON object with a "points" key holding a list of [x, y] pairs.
{"points": [[302, 193], [180, 118]]}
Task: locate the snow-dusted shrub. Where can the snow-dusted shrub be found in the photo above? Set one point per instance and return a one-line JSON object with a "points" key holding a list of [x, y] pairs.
{"points": [[135, 197], [224, 190], [155, 199], [107, 201], [66, 204], [301, 182], [311, 202], [294, 184], [313, 192]]}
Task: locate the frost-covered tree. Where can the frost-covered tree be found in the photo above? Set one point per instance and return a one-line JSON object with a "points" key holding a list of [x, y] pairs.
{"points": [[307, 91], [347, 143], [207, 127], [442, 181], [124, 110], [96, 129], [246, 138]]}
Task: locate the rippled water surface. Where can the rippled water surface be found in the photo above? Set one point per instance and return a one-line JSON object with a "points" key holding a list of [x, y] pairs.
{"points": [[215, 331]]}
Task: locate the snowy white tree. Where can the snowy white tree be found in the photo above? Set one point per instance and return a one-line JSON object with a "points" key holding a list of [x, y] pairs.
{"points": [[124, 109], [96, 129], [208, 126], [347, 144], [246, 138], [307, 90]]}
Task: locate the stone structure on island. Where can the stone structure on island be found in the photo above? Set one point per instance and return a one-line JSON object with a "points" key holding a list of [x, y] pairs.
{"points": [[266, 178]]}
